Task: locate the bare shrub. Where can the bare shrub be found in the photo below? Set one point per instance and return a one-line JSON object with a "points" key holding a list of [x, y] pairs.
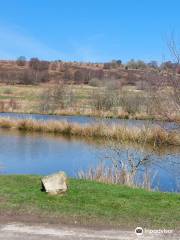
{"points": [[107, 66], [38, 65], [37, 72], [2, 106], [21, 61], [8, 91], [54, 66], [13, 104], [56, 97], [131, 103], [139, 64], [142, 85], [30, 76], [104, 99], [95, 82], [45, 105], [120, 170], [113, 84], [167, 95]]}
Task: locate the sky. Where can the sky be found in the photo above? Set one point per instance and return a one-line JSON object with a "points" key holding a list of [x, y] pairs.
{"points": [[88, 30]]}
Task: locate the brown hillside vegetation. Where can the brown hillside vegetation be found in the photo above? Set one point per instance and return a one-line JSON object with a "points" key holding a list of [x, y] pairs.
{"points": [[36, 71], [135, 90]]}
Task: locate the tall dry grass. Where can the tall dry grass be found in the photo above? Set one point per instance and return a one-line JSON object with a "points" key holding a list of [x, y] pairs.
{"points": [[116, 174], [155, 136]]}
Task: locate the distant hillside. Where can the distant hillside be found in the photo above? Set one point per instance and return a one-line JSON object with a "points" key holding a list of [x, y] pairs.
{"points": [[36, 71]]}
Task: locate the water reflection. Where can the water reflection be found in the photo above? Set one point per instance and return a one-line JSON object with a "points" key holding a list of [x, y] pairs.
{"points": [[86, 119], [24, 153], [162, 167]]}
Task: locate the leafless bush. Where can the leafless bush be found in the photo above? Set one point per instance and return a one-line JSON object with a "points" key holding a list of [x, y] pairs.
{"points": [[21, 61], [131, 103], [8, 91], [132, 64], [142, 85], [120, 170], [54, 66], [56, 97], [114, 84], [30, 76], [104, 99], [13, 105], [168, 87], [37, 71], [95, 82], [2, 106], [38, 65]]}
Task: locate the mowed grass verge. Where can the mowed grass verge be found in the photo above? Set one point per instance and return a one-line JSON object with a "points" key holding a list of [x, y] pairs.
{"points": [[90, 203]]}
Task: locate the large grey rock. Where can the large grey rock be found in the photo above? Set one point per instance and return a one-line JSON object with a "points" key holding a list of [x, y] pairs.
{"points": [[55, 183]]}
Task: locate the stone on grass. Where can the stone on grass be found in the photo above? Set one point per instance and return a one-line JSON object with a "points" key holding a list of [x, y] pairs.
{"points": [[55, 183]]}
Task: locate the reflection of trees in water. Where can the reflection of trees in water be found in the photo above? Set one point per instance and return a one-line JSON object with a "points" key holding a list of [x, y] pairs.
{"points": [[146, 148], [144, 167], [171, 166]]}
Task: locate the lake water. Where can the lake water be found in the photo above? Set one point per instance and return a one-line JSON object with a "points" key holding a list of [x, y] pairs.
{"points": [[24, 153]]}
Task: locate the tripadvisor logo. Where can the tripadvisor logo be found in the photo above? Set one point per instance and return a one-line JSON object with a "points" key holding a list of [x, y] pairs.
{"points": [[139, 231]]}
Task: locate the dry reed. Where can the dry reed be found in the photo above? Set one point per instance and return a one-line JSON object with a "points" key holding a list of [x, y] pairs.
{"points": [[115, 174], [156, 136]]}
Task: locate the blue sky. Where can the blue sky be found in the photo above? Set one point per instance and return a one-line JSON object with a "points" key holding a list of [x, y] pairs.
{"points": [[88, 30]]}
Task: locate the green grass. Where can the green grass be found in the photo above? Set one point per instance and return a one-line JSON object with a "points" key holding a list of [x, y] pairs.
{"points": [[90, 203]]}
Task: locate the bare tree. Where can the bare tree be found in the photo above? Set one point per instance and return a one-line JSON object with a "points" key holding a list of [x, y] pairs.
{"points": [[38, 71], [170, 83], [21, 61], [165, 85], [56, 97], [174, 79]]}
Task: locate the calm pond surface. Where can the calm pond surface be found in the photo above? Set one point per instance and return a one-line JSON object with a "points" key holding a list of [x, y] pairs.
{"points": [[22, 153], [86, 119]]}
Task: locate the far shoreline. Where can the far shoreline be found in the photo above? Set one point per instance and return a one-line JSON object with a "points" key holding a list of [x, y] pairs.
{"points": [[155, 136], [101, 115]]}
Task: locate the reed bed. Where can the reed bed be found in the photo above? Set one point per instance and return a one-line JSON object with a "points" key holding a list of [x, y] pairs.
{"points": [[155, 136], [115, 174]]}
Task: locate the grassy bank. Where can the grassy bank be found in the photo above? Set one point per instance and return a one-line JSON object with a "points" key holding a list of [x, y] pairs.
{"points": [[28, 99], [89, 203], [154, 136]]}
